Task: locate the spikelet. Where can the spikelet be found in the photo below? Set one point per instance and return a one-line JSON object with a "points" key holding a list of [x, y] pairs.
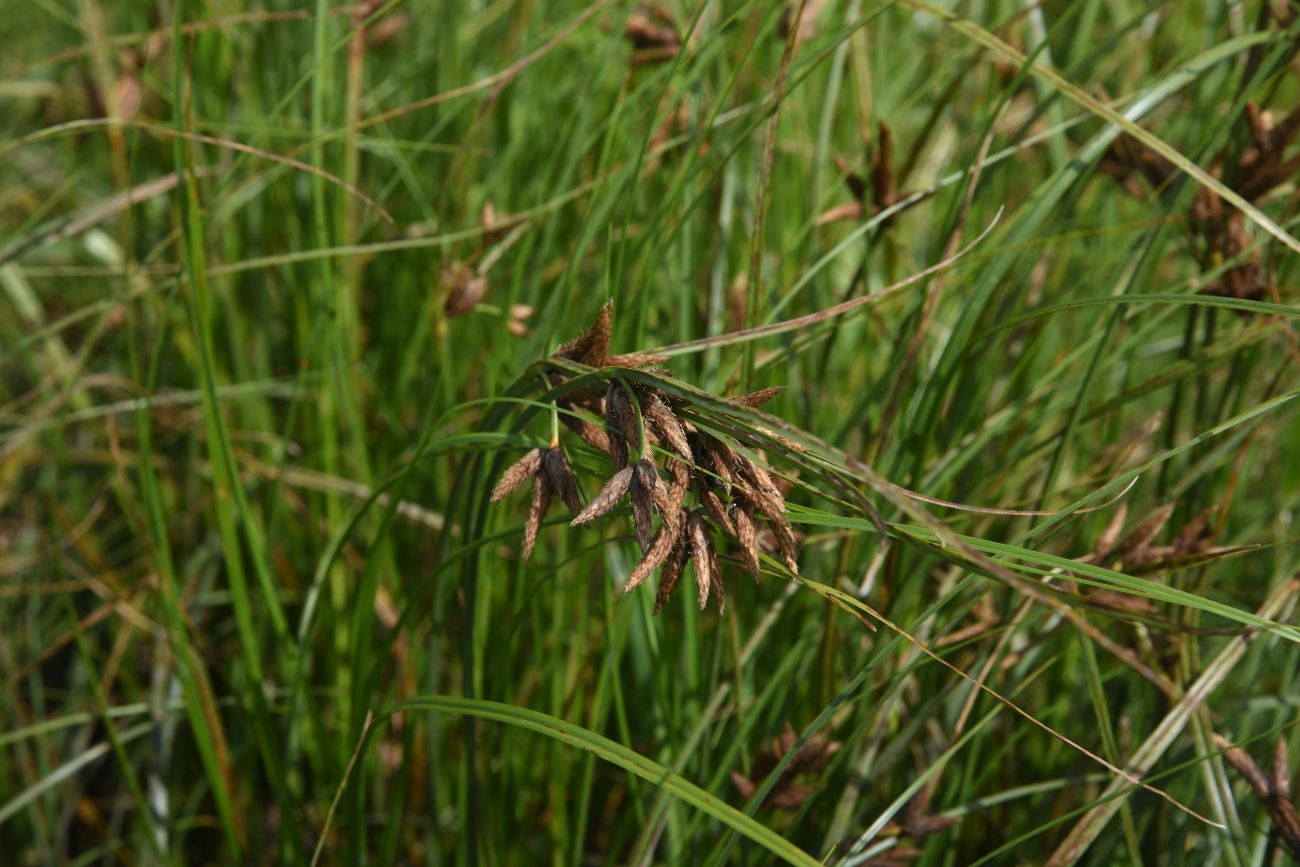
{"points": [[561, 479], [757, 398], [591, 347], [519, 472], [541, 502], [747, 537], [660, 547], [671, 575], [702, 555], [607, 499], [666, 423]]}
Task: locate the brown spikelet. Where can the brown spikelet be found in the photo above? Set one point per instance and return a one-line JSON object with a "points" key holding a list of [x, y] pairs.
{"points": [[465, 288], [757, 398], [701, 554], [747, 536], [671, 576], [715, 509], [679, 481], [759, 478], [1109, 536], [592, 346], [666, 423], [519, 472], [716, 587], [1194, 534], [607, 499], [561, 478], [716, 457], [646, 488], [636, 359], [589, 433], [1140, 538], [655, 555], [786, 542], [647, 477], [541, 502], [620, 420]]}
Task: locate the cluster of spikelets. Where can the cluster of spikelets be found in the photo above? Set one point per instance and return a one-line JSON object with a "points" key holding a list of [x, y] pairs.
{"points": [[704, 487]]}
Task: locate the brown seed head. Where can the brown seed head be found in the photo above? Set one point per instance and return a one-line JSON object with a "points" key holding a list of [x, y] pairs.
{"points": [[671, 575], [660, 548], [747, 536], [702, 554], [757, 398], [591, 347], [541, 503], [561, 479], [519, 472], [607, 499], [666, 423]]}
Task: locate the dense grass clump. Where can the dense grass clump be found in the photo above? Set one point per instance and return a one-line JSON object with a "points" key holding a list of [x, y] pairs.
{"points": [[947, 355]]}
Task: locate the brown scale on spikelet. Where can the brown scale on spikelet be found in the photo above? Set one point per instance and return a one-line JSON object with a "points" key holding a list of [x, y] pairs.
{"points": [[641, 420], [756, 399], [551, 476]]}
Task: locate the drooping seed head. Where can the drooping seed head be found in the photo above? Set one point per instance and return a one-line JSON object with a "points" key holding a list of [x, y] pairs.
{"points": [[558, 474], [591, 347], [607, 499], [671, 575], [701, 554], [655, 555], [747, 537], [666, 423], [757, 398], [519, 472], [541, 503]]}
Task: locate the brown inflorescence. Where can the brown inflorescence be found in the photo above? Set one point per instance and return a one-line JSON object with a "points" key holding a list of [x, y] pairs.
{"points": [[729, 485]]}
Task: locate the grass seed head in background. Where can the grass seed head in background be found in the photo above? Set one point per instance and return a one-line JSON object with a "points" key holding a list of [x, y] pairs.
{"points": [[729, 488]]}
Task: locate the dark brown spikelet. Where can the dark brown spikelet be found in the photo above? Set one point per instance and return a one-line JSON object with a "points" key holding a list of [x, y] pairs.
{"points": [[671, 575], [646, 486], [519, 472], [558, 474], [715, 508], [541, 502], [747, 537], [607, 499], [620, 420], [666, 423], [757, 398], [716, 457], [593, 435], [658, 552], [591, 347], [786, 793], [1139, 540], [636, 359], [701, 553], [767, 499], [465, 288], [786, 542]]}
